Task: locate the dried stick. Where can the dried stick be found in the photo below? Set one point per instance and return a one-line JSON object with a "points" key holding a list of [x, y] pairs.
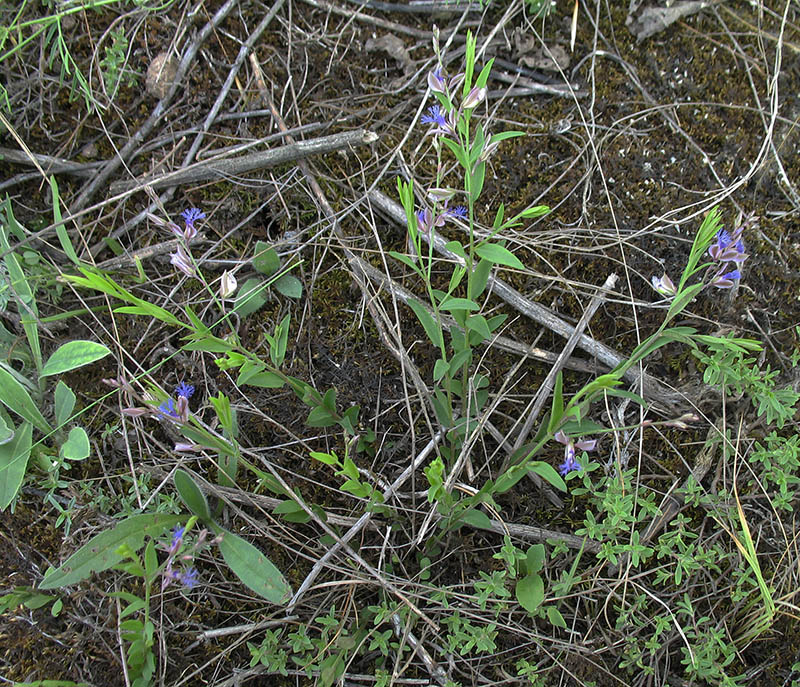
{"points": [[156, 116], [535, 406], [223, 168]]}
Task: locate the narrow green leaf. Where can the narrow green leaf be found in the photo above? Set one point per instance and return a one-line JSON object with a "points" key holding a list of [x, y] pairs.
{"points": [[499, 255], [253, 568], [427, 322], [16, 398], [14, 456], [100, 552], [61, 230], [452, 304], [406, 260], [74, 354], [76, 447], [549, 473], [64, 403], [265, 380], [191, 495]]}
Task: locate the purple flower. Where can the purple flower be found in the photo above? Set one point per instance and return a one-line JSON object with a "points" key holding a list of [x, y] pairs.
{"points": [[728, 248], [436, 116], [474, 98], [727, 280], [184, 389], [426, 221], [570, 463], [439, 82]]}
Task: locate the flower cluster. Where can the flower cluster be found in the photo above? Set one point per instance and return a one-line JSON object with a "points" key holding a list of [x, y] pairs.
{"points": [[182, 258], [570, 462], [186, 576], [728, 251]]}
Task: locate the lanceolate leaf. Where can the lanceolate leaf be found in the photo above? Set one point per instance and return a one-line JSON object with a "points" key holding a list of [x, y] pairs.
{"points": [[16, 398], [100, 552], [13, 463], [191, 495], [499, 255], [253, 568]]}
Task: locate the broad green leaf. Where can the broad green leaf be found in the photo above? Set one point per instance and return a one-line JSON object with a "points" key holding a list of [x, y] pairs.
{"points": [[530, 592], [16, 398], [290, 286], [534, 559], [64, 402], [320, 417], [327, 458], [480, 277], [427, 322], [100, 552], [72, 355], [264, 379], [499, 255], [191, 495], [457, 248], [253, 568], [76, 447], [14, 456], [251, 297], [265, 259], [479, 325]]}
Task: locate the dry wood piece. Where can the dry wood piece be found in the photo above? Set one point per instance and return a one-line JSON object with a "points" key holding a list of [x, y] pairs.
{"points": [[221, 169]]}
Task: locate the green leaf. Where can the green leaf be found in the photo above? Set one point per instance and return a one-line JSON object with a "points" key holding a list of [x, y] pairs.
{"points": [[327, 458], [406, 260], [440, 367], [530, 592], [253, 568], [483, 77], [291, 511], [534, 559], [290, 286], [555, 617], [191, 495], [476, 518], [100, 552], [6, 432], [64, 403], [76, 447], [265, 380], [74, 354], [477, 178], [61, 230], [265, 259], [427, 322], [548, 472], [251, 297], [452, 304], [499, 255], [478, 324], [320, 417], [457, 248], [14, 456], [16, 398], [480, 277]]}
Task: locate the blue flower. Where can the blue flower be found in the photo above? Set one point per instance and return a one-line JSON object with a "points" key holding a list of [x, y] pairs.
{"points": [[188, 578], [728, 248], [569, 465], [727, 280], [458, 211], [168, 408], [570, 462], [184, 389], [436, 116], [191, 215], [177, 536]]}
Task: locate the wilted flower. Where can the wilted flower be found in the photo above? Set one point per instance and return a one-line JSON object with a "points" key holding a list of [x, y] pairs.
{"points": [[474, 98], [439, 82], [227, 284], [180, 258], [188, 578], [570, 462], [664, 285], [426, 221]]}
